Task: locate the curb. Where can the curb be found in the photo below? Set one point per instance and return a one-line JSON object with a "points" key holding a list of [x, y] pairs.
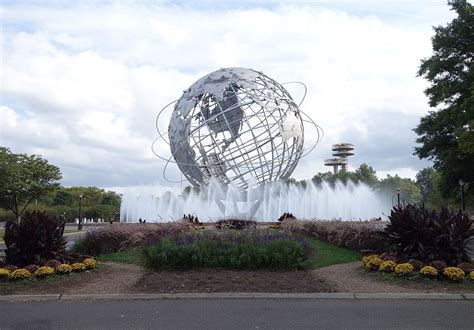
{"points": [[170, 296]]}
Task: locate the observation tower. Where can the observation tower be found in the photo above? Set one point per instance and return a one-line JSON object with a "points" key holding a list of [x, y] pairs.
{"points": [[340, 151]]}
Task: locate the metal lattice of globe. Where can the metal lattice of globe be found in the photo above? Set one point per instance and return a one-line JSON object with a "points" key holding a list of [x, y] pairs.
{"points": [[237, 126]]}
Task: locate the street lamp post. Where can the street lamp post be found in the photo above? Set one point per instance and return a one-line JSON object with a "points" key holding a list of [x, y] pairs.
{"points": [[79, 225], [398, 197], [463, 205]]}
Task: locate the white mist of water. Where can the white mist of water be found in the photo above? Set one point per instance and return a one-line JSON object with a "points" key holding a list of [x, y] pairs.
{"points": [[346, 202]]}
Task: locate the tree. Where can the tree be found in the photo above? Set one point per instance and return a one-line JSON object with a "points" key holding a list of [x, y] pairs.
{"points": [[446, 134], [424, 180], [24, 178], [409, 191], [367, 174]]}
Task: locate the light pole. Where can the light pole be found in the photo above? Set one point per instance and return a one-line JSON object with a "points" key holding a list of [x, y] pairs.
{"points": [[463, 205], [398, 197], [79, 225]]}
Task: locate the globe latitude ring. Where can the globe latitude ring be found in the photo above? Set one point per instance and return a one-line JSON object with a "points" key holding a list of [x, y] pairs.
{"points": [[237, 126]]}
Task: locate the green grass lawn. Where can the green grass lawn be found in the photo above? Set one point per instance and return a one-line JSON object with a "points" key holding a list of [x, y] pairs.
{"points": [[128, 256], [324, 255]]}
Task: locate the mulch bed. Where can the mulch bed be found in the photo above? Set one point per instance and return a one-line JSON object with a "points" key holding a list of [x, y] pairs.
{"points": [[225, 280], [112, 277]]}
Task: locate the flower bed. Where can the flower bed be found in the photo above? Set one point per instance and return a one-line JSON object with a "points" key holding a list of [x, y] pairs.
{"points": [[407, 269], [247, 249], [34, 271]]}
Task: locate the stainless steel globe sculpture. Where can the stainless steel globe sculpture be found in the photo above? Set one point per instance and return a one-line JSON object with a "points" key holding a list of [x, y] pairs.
{"points": [[237, 126]]}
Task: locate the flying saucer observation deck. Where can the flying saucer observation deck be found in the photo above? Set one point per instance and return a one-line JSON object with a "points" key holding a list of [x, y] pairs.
{"points": [[341, 151]]}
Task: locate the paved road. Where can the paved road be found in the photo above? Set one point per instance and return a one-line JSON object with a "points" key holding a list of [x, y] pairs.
{"points": [[238, 314]]}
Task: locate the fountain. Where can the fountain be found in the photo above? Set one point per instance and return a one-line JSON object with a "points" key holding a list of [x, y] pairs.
{"points": [[346, 202]]}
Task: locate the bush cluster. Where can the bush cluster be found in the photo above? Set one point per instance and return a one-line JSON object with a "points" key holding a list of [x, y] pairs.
{"points": [[249, 249], [384, 264], [35, 239], [354, 235], [13, 273], [237, 224], [414, 232]]}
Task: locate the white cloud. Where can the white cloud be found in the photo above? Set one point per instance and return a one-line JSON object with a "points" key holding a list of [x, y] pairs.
{"points": [[82, 84]]}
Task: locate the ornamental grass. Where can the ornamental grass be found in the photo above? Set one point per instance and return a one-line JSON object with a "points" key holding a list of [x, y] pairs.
{"points": [[404, 269], [44, 271], [19, 274], [454, 273]]}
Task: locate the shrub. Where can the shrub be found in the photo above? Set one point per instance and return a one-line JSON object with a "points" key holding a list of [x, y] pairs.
{"points": [[78, 267], [471, 275], [19, 274], [89, 263], [413, 232], [36, 239], [226, 249], [53, 263], [2, 262], [387, 266], [439, 265], [417, 264], [354, 235], [429, 271], [404, 269], [454, 273], [467, 267], [32, 268], [4, 274], [111, 239], [237, 224], [44, 271], [64, 269], [11, 268]]}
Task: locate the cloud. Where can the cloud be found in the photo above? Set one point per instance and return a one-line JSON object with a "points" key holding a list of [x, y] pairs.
{"points": [[82, 84]]}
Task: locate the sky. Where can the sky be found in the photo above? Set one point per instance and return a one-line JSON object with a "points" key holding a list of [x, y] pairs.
{"points": [[82, 82]]}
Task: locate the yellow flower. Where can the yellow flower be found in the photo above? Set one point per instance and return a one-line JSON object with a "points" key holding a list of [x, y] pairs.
{"points": [[44, 271], [78, 267], [372, 262], [429, 271], [471, 275], [404, 269], [4, 273], [454, 273], [64, 269], [19, 274], [387, 266], [89, 263]]}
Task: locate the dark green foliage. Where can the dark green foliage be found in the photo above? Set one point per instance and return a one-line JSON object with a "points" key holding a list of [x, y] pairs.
{"points": [[415, 232], [24, 178], [446, 135], [230, 251], [235, 224], [35, 240]]}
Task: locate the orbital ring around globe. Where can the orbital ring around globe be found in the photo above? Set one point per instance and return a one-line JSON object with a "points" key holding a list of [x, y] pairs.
{"points": [[238, 126]]}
